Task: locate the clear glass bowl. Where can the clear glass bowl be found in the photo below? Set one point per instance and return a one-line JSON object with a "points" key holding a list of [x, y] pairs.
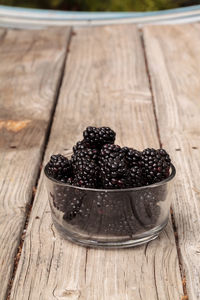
{"points": [[110, 218]]}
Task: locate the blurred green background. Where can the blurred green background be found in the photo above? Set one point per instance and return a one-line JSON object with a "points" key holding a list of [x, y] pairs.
{"points": [[101, 5]]}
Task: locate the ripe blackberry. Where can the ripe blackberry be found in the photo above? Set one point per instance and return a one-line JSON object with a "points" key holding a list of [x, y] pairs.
{"points": [[86, 153], [129, 158], [114, 173], [80, 145], [84, 165], [133, 157], [155, 165], [135, 177], [97, 137], [59, 167], [85, 173], [110, 151]]}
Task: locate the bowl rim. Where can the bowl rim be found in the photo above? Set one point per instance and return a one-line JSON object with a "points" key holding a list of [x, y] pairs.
{"points": [[165, 181]]}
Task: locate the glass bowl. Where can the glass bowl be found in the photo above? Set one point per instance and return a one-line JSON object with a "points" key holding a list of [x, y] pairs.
{"points": [[110, 218]]}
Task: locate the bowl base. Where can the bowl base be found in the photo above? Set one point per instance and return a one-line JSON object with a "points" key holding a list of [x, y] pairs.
{"points": [[126, 243]]}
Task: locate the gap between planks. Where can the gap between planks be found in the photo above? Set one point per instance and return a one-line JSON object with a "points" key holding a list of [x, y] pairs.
{"points": [[150, 87], [48, 131], [185, 297]]}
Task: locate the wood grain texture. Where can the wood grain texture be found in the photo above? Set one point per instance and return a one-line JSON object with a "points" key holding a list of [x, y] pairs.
{"points": [[30, 71], [174, 63], [105, 83]]}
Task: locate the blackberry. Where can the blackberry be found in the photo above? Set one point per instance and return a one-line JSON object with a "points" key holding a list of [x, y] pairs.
{"points": [[155, 165], [135, 176], [110, 151], [96, 137], [133, 157], [59, 167], [84, 163], [85, 173], [85, 153], [80, 145], [114, 173], [125, 149]]}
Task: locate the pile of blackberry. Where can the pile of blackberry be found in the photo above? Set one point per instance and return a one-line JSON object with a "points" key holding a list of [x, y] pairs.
{"points": [[99, 163]]}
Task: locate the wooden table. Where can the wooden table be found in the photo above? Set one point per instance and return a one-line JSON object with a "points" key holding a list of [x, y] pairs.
{"points": [[145, 84]]}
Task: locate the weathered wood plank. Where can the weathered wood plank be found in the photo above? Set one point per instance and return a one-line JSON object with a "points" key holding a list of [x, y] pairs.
{"points": [[30, 71], [174, 64], [105, 83]]}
